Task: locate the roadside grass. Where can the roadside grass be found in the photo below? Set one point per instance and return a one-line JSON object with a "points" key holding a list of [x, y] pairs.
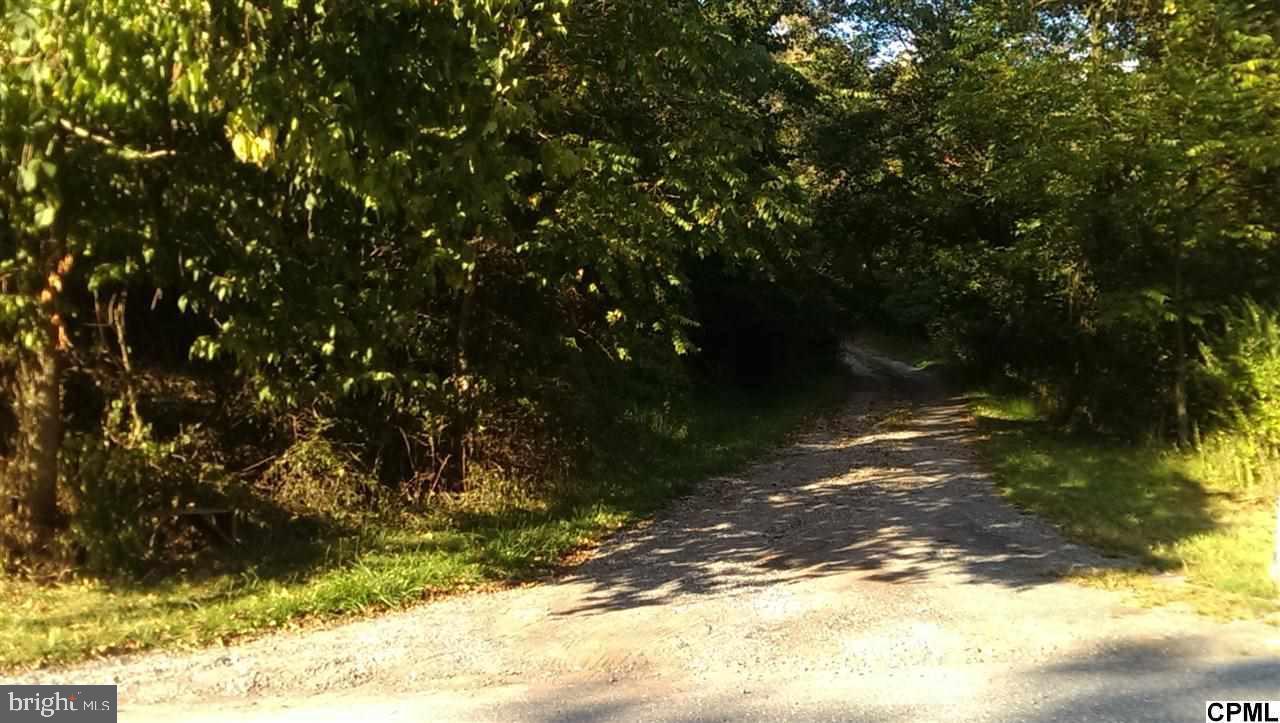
{"points": [[1202, 535], [466, 542]]}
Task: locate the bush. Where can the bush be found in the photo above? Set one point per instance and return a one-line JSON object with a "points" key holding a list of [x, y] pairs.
{"points": [[316, 477], [123, 499], [1243, 368], [1242, 379]]}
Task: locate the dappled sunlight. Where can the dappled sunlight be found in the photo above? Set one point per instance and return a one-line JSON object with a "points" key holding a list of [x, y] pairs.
{"points": [[902, 505], [839, 579]]}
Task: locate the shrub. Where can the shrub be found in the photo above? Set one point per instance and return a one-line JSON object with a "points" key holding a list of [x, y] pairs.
{"points": [[1242, 377], [317, 477], [123, 498]]}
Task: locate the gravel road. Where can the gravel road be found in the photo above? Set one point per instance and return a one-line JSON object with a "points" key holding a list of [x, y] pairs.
{"points": [[865, 572]]}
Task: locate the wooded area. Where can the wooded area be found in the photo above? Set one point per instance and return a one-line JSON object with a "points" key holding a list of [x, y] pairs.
{"points": [[302, 258]]}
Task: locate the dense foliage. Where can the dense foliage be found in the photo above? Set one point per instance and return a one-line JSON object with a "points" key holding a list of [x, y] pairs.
{"points": [[426, 232], [385, 249], [1080, 195]]}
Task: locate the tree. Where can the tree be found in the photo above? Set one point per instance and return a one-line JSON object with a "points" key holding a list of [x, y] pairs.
{"points": [[1083, 179], [408, 215], [95, 98]]}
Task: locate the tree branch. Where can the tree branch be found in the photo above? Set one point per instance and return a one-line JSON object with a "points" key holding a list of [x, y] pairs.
{"points": [[125, 152]]}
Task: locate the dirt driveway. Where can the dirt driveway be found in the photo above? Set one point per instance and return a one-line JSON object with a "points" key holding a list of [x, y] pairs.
{"points": [[867, 571]]}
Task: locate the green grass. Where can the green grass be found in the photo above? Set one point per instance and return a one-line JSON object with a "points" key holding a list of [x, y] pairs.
{"points": [[1173, 513], [467, 542]]}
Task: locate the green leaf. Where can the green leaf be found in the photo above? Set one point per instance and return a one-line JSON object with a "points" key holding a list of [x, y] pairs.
{"points": [[45, 216], [29, 178]]}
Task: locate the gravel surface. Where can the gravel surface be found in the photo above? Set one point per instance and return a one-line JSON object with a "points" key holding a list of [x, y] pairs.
{"points": [[867, 571]]}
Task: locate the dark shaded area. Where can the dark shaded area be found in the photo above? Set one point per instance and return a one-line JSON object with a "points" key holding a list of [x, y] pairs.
{"points": [[753, 333], [8, 427], [657, 451]]}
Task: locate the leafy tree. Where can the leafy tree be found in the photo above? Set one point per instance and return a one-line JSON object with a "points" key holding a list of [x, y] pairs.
{"points": [[439, 227], [412, 216], [97, 102], [1062, 193]]}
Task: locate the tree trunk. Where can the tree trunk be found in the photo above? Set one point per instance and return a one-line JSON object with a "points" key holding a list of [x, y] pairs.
{"points": [[1275, 559], [33, 472], [1180, 388], [30, 484], [1180, 370], [465, 413], [1097, 36]]}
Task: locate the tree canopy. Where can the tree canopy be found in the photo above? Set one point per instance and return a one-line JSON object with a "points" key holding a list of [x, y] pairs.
{"points": [[430, 229]]}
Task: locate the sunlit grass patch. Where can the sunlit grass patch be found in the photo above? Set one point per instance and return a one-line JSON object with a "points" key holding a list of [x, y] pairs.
{"points": [[1202, 538], [1158, 590], [1005, 407]]}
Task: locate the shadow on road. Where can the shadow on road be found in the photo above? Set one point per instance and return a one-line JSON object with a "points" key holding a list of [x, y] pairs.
{"points": [[884, 490], [1133, 682]]}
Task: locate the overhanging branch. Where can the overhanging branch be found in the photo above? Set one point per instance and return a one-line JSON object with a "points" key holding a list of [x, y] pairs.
{"points": [[125, 152]]}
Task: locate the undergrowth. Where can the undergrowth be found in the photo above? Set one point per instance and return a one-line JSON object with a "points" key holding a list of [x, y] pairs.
{"points": [[396, 559]]}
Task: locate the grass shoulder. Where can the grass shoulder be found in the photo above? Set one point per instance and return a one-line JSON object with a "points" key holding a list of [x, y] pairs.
{"points": [[466, 542], [1201, 531]]}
